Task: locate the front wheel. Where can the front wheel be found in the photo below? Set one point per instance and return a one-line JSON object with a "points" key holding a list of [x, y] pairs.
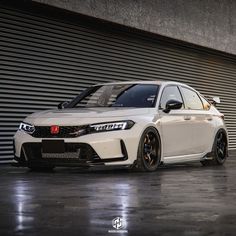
{"points": [[149, 151], [219, 151]]}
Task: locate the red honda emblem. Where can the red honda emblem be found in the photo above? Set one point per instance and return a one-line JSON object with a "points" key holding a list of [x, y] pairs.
{"points": [[55, 129]]}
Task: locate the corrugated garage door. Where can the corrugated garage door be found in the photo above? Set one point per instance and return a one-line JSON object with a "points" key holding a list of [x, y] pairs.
{"points": [[45, 61]]}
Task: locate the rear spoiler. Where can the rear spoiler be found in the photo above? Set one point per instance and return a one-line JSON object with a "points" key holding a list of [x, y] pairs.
{"points": [[213, 100]]}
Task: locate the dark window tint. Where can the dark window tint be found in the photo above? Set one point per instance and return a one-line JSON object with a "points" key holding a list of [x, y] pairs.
{"points": [[170, 93], [120, 95], [192, 99]]}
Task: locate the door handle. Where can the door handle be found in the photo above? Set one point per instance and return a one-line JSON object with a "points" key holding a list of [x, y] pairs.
{"points": [[187, 118], [209, 118]]}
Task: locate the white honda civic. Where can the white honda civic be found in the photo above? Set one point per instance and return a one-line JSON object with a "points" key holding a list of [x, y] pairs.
{"points": [[134, 124]]}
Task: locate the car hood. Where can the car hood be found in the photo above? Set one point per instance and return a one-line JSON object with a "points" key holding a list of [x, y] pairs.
{"points": [[84, 115]]}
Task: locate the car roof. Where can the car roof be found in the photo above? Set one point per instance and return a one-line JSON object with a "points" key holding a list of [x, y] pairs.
{"points": [[158, 82]]}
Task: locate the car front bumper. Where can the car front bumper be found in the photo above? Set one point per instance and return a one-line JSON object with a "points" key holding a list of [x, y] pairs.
{"points": [[94, 149]]}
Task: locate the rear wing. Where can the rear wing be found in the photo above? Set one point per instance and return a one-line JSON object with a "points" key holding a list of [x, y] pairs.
{"points": [[213, 100]]}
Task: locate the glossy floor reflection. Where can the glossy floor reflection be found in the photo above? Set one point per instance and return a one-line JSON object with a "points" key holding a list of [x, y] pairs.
{"points": [[175, 200]]}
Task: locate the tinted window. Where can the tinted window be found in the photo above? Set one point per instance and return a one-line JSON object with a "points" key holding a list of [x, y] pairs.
{"points": [[192, 99], [170, 93], [120, 95]]}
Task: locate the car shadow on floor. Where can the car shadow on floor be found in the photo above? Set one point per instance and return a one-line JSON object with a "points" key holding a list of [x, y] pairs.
{"points": [[124, 170]]}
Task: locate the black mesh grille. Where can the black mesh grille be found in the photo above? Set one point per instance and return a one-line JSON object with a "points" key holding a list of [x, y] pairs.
{"points": [[33, 152], [64, 132]]}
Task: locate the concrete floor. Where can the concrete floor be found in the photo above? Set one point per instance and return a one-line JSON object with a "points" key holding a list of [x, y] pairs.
{"points": [[175, 200]]}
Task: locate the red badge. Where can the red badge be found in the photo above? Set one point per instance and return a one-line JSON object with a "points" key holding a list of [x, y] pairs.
{"points": [[55, 129]]}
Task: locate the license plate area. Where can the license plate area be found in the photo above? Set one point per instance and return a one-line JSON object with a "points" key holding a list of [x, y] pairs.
{"points": [[56, 149], [53, 146]]}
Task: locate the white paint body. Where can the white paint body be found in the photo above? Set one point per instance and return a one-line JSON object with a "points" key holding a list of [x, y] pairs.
{"points": [[186, 135]]}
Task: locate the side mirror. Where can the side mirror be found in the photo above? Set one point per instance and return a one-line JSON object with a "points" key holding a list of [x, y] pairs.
{"points": [[214, 100], [172, 105], [62, 105]]}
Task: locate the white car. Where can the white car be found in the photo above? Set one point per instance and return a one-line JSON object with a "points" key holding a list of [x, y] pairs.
{"points": [[134, 124]]}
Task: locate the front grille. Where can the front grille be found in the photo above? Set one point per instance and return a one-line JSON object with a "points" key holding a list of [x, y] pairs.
{"points": [[64, 132], [33, 152]]}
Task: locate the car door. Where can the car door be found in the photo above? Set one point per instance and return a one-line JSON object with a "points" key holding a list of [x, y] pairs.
{"points": [[200, 119], [175, 126]]}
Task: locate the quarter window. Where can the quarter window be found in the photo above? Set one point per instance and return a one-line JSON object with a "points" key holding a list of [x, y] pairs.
{"points": [[193, 101], [170, 93], [206, 104]]}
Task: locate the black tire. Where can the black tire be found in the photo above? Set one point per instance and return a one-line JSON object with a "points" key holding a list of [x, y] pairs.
{"points": [[219, 150], [149, 151], [41, 168]]}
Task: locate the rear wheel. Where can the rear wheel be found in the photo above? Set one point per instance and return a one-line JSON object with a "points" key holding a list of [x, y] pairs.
{"points": [[149, 151], [219, 151]]}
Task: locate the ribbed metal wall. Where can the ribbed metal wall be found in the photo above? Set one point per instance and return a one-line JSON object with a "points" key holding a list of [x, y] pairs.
{"points": [[44, 61]]}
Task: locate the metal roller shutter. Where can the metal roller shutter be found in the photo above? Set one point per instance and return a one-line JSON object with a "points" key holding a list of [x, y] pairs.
{"points": [[45, 61]]}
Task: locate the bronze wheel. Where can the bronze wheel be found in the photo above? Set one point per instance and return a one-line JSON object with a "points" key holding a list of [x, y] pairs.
{"points": [[149, 153]]}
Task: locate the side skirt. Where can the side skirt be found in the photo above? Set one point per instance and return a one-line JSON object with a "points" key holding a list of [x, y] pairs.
{"points": [[184, 158]]}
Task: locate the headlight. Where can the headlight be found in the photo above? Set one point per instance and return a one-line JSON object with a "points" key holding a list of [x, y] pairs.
{"points": [[119, 125], [29, 129]]}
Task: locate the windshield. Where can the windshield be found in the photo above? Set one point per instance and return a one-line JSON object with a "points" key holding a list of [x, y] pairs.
{"points": [[118, 95]]}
